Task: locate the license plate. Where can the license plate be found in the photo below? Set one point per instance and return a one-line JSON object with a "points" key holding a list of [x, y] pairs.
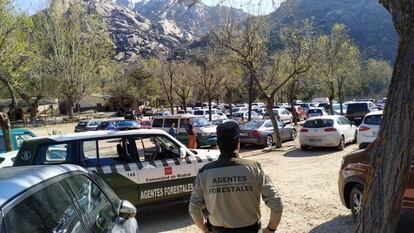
{"points": [[315, 140], [244, 134]]}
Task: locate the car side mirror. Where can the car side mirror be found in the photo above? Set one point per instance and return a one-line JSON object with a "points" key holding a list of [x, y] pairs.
{"points": [[127, 210], [183, 152]]}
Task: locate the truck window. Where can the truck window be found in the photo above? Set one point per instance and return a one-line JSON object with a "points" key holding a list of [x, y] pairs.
{"points": [[155, 148], [106, 151], [168, 122], [157, 123], [56, 154], [48, 210]]}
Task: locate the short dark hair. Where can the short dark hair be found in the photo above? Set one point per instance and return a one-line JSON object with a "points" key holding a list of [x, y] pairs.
{"points": [[228, 136]]}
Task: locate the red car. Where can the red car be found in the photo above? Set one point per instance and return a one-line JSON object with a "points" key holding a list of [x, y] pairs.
{"points": [[300, 112], [146, 124]]}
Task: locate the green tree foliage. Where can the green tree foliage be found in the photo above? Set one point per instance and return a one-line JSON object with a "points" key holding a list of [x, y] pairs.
{"points": [[78, 48]]}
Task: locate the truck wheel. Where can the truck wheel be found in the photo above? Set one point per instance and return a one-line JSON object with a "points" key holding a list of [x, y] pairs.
{"points": [[355, 200]]}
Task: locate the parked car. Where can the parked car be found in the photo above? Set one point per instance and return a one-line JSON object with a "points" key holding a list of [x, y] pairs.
{"points": [[281, 114], [64, 198], [132, 115], [206, 132], [135, 163], [368, 130], [148, 111], [353, 177], [327, 131], [356, 111], [146, 124], [305, 107], [17, 138], [243, 116], [316, 112], [106, 125], [162, 113], [127, 125], [87, 125], [260, 132], [215, 114], [299, 112]]}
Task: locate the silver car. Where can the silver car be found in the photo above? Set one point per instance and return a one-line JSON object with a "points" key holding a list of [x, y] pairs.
{"points": [[61, 198], [260, 132]]}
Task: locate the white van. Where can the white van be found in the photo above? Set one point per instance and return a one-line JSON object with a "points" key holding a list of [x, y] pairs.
{"points": [[206, 132], [215, 114]]}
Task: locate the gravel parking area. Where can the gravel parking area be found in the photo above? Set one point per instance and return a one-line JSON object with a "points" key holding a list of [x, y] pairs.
{"points": [[307, 181]]}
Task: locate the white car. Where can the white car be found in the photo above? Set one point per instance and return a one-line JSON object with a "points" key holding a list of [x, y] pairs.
{"points": [[368, 130], [243, 116], [284, 115], [6, 159], [316, 112], [215, 114], [327, 131]]}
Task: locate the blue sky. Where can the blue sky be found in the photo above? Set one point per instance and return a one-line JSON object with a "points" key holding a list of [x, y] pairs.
{"points": [[251, 6]]}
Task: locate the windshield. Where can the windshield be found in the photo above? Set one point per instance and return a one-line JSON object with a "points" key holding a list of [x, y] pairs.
{"points": [[127, 124], [358, 107], [373, 120], [315, 111], [199, 113], [318, 123], [200, 122]]}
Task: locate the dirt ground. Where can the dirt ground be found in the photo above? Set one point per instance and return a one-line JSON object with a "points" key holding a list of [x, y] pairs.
{"points": [[308, 185], [307, 182]]}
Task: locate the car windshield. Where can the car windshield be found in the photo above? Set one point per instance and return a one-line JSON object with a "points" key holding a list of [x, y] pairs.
{"points": [[200, 122], [357, 107], [252, 125], [373, 120], [199, 113], [315, 111], [82, 123], [318, 123]]}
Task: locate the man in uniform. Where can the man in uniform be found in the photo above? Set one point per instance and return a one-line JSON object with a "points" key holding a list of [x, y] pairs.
{"points": [[230, 189]]}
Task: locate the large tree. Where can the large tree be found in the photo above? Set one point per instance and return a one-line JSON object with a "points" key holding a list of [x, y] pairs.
{"points": [[393, 150], [79, 49]]}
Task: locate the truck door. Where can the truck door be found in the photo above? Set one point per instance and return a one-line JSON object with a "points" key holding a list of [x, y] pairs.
{"points": [[164, 176]]}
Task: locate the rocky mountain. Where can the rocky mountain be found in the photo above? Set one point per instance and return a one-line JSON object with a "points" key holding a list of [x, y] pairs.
{"points": [[370, 25], [135, 35], [197, 19]]}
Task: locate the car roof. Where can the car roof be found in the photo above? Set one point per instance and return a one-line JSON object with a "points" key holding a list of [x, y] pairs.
{"points": [[15, 180], [380, 112], [18, 131], [96, 135], [330, 117], [178, 116]]}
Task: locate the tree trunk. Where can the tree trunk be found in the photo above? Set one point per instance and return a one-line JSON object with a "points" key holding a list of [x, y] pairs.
{"points": [[391, 153], [185, 105], [33, 110], [172, 107], [276, 134], [209, 107], [249, 118], [231, 109], [294, 113], [341, 101], [70, 107], [5, 127]]}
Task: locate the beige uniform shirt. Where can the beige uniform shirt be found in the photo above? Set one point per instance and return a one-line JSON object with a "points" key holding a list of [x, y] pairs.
{"points": [[230, 189]]}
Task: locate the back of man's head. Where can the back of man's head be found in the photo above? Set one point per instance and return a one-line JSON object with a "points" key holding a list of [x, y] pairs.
{"points": [[228, 136]]}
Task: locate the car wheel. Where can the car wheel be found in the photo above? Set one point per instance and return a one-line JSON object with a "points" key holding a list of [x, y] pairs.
{"points": [[355, 138], [269, 141], [293, 134], [355, 200], [303, 147], [341, 145]]}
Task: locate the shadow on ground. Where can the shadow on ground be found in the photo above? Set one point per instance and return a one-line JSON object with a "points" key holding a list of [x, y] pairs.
{"points": [[340, 224], [311, 152], [163, 218]]}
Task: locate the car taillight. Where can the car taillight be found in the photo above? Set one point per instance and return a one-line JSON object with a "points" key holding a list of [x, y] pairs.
{"points": [[255, 133], [330, 130], [363, 128], [304, 130]]}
